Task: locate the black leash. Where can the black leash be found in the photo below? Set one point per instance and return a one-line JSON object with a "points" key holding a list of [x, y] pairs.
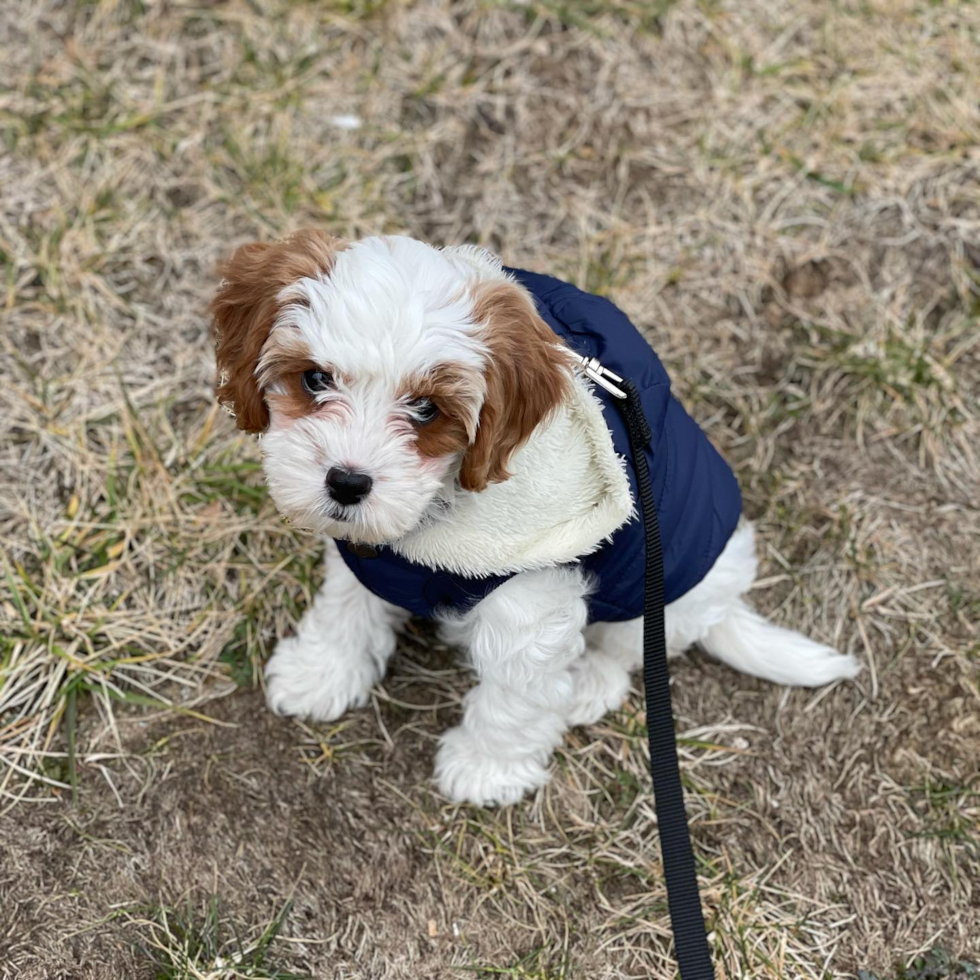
{"points": [[690, 939], [683, 900]]}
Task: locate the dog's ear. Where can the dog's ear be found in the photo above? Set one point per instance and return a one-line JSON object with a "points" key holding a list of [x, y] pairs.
{"points": [[527, 377], [245, 308]]}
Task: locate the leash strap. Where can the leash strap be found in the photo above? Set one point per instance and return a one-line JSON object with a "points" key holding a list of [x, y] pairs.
{"points": [[683, 900]]}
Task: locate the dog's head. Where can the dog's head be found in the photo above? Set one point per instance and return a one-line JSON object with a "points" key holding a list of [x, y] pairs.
{"points": [[384, 374]]}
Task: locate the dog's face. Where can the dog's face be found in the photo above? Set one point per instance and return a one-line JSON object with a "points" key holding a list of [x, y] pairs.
{"points": [[385, 374]]}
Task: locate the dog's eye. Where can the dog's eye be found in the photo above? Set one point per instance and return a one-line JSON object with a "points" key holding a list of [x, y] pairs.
{"points": [[423, 410], [315, 381]]}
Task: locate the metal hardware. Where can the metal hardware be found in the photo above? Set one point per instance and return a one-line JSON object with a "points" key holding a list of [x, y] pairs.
{"points": [[602, 376]]}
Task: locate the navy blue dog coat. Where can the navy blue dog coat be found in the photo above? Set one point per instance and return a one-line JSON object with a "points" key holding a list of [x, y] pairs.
{"points": [[698, 499]]}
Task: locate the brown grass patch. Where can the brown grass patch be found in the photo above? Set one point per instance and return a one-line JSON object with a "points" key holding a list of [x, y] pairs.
{"points": [[784, 195]]}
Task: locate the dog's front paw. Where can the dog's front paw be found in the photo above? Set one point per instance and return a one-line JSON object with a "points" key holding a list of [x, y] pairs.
{"points": [[309, 680], [467, 771]]}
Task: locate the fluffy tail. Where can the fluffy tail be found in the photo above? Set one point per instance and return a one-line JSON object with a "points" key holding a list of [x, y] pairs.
{"points": [[747, 642]]}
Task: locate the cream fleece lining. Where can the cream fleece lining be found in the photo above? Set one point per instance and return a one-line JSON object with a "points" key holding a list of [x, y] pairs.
{"points": [[568, 493]]}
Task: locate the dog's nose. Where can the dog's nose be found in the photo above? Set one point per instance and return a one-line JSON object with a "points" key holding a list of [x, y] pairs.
{"points": [[348, 486]]}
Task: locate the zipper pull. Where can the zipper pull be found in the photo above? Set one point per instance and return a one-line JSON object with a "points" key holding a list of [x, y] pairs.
{"points": [[602, 376]]}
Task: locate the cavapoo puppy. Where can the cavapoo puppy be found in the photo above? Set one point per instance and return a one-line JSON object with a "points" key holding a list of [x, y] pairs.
{"points": [[426, 410]]}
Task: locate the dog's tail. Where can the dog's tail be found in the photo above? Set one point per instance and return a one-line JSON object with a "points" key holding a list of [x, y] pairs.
{"points": [[748, 642]]}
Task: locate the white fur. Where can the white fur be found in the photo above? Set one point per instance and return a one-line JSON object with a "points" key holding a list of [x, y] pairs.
{"points": [[339, 652], [567, 493], [541, 670], [522, 641], [715, 616], [393, 308], [390, 306]]}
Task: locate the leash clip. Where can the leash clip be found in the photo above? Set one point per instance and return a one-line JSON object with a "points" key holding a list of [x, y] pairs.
{"points": [[602, 376]]}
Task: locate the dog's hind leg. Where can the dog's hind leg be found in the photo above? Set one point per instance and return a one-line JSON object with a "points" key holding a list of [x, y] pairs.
{"points": [[715, 615], [601, 676]]}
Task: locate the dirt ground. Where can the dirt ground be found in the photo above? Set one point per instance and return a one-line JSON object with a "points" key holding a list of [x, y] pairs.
{"points": [[784, 195]]}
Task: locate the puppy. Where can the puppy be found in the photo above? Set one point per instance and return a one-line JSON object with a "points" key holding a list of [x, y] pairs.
{"points": [[427, 412]]}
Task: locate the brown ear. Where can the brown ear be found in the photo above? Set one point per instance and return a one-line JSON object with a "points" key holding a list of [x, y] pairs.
{"points": [[527, 377], [245, 310]]}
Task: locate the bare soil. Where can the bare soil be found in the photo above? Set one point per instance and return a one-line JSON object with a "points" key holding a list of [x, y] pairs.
{"points": [[784, 195]]}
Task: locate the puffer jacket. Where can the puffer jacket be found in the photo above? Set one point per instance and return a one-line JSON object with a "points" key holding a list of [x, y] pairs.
{"points": [[697, 495]]}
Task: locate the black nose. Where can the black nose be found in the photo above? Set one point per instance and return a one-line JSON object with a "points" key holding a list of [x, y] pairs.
{"points": [[347, 486]]}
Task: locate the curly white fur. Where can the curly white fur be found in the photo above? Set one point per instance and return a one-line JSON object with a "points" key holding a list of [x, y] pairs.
{"points": [[540, 669], [389, 309], [339, 652]]}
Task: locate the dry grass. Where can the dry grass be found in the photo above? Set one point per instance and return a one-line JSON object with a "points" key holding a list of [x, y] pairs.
{"points": [[192, 944], [785, 195]]}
